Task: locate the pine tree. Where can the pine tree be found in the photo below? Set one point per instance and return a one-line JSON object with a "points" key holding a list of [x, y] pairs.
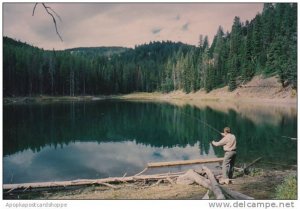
{"points": [[268, 28], [259, 59], [197, 69], [292, 61], [234, 53], [205, 43], [207, 73], [232, 73], [218, 57], [248, 66]]}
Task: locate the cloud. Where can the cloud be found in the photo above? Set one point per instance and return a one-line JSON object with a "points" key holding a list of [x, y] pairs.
{"points": [[185, 27], [156, 30]]}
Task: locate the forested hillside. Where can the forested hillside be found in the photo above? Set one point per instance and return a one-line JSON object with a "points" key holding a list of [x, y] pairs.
{"points": [[265, 45], [97, 51]]}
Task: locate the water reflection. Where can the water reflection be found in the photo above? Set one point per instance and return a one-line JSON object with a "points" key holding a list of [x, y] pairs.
{"points": [[89, 160], [65, 141]]}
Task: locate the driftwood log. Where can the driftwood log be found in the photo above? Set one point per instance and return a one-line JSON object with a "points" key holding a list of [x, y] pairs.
{"points": [[184, 162], [82, 182], [231, 194], [191, 177], [214, 184], [254, 161]]}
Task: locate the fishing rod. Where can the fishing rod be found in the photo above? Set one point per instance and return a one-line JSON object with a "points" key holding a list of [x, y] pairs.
{"points": [[202, 122]]}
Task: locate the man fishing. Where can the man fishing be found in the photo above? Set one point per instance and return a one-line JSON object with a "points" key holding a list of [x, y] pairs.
{"points": [[229, 145]]}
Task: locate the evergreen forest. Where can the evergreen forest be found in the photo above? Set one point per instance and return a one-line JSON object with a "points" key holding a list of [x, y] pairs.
{"points": [[265, 45]]}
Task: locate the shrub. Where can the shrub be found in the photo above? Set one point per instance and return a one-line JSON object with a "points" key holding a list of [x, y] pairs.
{"points": [[288, 189]]}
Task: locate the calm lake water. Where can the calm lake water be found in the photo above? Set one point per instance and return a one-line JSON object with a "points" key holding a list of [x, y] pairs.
{"points": [[79, 140]]}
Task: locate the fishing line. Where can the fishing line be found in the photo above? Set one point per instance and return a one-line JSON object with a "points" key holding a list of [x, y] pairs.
{"points": [[202, 122]]}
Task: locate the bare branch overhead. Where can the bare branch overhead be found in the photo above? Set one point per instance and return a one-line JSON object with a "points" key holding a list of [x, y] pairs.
{"points": [[52, 13]]}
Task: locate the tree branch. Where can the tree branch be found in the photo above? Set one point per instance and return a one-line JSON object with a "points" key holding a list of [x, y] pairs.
{"points": [[51, 12], [34, 9]]}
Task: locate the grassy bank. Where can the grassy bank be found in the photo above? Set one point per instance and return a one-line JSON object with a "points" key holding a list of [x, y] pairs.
{"points": [[287, 190]]}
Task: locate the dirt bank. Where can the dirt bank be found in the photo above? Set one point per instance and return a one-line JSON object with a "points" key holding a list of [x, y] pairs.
{"points": [[259, 91]]}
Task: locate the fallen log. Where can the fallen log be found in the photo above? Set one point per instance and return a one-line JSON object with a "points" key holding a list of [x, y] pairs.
{"points": [[191, 176], [82, 182], [201, 172], [199, 179], [184, 180], [252, 163], [183, 162], [214, 185], [235, 195]]}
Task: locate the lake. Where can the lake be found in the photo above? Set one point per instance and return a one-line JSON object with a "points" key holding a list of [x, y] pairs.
{"points": [[97, 139]]}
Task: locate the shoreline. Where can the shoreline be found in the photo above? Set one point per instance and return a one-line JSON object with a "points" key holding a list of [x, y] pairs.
{"points": [[257, 182], [261, 98], [176, 97], [198, 99], [257, 92]]}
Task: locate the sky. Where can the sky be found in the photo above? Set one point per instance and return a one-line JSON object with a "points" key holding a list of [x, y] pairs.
{"points": [[120, 24]]}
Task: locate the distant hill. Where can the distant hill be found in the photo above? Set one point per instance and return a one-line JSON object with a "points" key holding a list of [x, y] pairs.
{"points": [[98, 51], [15, 43], [87, 51], [29, 70]]}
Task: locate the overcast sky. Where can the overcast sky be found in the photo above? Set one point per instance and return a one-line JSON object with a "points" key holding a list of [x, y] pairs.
{"points": [[121, 24]]}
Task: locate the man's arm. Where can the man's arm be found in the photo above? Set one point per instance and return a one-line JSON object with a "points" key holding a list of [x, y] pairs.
{"points": [[221, 142]]}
